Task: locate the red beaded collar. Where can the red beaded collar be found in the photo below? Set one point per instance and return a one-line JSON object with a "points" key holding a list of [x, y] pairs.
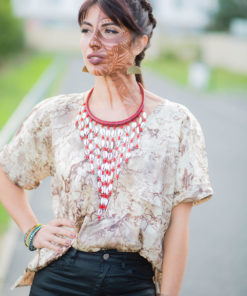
{"points": [[115, 123]]}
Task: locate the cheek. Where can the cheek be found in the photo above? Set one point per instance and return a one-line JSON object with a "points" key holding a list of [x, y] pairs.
{"points": [[124, 52], [119, 53], [81, 41], [123, 56], [83, 45]]}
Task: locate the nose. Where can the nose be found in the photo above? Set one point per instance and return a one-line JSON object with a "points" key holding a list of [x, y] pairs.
{"points": [[95, 42]]}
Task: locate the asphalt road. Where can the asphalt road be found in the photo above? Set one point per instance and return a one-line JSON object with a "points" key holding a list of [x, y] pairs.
{"points": [[217, 258]]}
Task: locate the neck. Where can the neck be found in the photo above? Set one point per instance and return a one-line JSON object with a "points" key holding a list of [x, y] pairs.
{"points": [[116, 92]]}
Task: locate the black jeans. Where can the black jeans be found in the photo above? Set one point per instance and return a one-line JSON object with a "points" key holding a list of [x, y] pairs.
{"points": [[102, 273]]}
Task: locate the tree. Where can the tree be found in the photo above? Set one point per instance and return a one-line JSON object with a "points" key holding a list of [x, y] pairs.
{"points": [[11, 30], [227, 11]]}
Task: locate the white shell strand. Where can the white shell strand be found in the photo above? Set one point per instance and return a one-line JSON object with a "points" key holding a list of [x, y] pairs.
{"points": [[107, 148]]}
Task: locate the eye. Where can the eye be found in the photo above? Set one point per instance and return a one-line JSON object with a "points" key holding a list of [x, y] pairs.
{"points": [[84, 30], [111, 31]]}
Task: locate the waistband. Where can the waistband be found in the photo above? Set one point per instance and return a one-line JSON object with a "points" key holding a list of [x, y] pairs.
{"points": [[114, 252], [110, 251]]}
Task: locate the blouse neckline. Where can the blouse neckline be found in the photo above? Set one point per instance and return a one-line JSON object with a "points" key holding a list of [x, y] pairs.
{"points": [[149, 117]]}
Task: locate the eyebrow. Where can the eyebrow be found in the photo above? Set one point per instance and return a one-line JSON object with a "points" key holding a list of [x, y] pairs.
{"points": [[86, 23], [110, 24], [104, 25]]}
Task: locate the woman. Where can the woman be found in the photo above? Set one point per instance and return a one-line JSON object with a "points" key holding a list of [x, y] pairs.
{"points": [[126, 167]]}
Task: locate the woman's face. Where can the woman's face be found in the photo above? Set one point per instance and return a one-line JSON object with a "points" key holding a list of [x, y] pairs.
{"points": [[106, 47]]}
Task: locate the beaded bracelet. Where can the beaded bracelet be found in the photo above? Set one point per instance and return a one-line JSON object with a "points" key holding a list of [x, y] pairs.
{"points": [[32, 235], [29, 236]]}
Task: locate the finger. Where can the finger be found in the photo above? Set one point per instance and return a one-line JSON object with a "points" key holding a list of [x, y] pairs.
{"points": [[49, 245], [60, 241], [63, 232], [62, 222]]}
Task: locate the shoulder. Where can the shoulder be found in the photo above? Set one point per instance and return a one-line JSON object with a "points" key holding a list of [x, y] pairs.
{"points": [[60, 102], [43, 113], [55, 106], [169, 108]]}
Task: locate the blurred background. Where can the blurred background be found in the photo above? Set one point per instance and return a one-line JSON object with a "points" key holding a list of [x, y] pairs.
{"points": [[198, 57]]}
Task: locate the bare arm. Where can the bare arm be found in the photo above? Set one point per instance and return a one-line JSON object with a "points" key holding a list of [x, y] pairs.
{"points": [[15, 201], [175, 250]]}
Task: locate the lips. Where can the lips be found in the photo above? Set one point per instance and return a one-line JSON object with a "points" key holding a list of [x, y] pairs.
{"points": [[95, 58]]}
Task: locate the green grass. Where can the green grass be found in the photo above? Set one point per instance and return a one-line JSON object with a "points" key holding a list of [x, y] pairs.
{"points": [[4, 219], [222, 80], [172, 69], [18, 74], [177, 71]]}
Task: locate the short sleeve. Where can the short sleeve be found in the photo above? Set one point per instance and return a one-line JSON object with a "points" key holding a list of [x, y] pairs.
{"points": [[192, 183], [27, 159]]}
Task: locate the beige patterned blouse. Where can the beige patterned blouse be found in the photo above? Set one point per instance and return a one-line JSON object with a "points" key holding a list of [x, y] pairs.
{"points": [[169, 167]]}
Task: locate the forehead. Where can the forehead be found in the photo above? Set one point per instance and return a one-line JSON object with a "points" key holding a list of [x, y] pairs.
{"points": [[95, 15]]}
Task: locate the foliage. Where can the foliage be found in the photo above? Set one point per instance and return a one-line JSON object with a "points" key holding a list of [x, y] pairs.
{"points": [[11, 30], [227, 11]]}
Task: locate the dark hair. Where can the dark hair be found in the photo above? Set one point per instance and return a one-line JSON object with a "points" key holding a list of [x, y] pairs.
{"points": [[136, 15]]}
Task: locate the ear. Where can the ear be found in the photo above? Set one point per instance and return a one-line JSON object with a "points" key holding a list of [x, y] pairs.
{"points": [[139, 44]]}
